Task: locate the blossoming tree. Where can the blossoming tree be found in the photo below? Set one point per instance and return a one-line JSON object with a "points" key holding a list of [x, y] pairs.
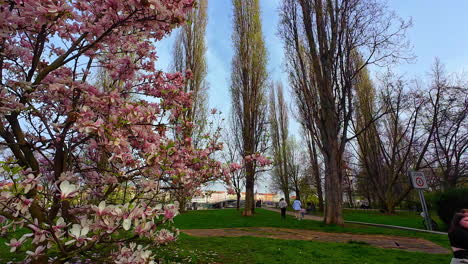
{"points": [[84, 161]]}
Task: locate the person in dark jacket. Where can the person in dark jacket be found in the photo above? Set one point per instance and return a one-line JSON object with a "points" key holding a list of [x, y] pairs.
{"points": [[458, 236], [282, 205]]}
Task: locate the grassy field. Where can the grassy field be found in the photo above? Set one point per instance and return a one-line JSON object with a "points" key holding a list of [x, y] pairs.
{"points": [[264, 218], [403, 218], [252, 250], [400, 218], [264, 250]]}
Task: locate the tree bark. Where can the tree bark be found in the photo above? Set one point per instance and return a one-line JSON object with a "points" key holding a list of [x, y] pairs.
{"points": [[249, 208], [182, 204], [298, 194], [316, 171], [333, 187]]}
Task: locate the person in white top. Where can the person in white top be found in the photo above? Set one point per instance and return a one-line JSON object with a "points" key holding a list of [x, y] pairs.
{"points": [[297, 208], [282, 205]]}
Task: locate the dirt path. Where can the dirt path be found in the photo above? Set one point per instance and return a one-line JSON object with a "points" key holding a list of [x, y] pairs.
{"points": [[307, 217], [382, 241]]}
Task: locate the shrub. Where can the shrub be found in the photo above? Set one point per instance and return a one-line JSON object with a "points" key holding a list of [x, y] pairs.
{"points": [[449, 202]]}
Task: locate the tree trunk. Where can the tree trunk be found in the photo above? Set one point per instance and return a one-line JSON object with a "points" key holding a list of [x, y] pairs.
{"points": [[450, 182], [369, 198], [316, 170], [350, 197], [249, 189], [319, 192], [298, 195], [182, 204], [286, 197], [333, 187], [389, 207], [238, 201]]}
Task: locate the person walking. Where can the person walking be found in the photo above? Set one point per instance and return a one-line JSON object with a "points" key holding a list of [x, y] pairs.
{"points": [[458, 236], [282, 205], [297, 208]]}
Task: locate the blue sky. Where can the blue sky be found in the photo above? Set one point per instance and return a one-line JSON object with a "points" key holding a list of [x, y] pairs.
{"points": [[220, 51], [440, 29]]}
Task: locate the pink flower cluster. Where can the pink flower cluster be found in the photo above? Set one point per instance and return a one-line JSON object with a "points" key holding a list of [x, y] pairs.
{"points": [[259, 160], [102, 132], [134, 254]]}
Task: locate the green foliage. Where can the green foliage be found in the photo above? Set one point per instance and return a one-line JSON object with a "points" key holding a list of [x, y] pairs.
{"points": [[5, 254], [448, 203]]}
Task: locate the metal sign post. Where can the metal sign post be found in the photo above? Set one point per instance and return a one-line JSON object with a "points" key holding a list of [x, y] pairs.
{"points": [[426, 212], [418, 181]]}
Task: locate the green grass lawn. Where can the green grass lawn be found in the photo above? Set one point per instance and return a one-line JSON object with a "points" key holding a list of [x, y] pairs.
{"points": [[265, 250], [263, 218], [250, 250], [400, 218], [404, 218], [204, 250]]}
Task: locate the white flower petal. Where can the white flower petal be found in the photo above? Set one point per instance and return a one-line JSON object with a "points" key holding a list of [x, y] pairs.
{"points": [[127, 223], [70, 242], [75, 230]]}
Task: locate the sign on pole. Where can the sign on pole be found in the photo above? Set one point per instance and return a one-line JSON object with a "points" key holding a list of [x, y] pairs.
{"points": [[418, 180]]}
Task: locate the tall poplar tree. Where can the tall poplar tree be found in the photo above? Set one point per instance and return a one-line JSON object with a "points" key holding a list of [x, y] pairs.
{"points": [[248, 88], [189, 54], [279, 138]]}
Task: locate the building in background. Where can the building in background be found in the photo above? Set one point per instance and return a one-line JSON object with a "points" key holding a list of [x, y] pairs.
{"points": [[210, 197]]}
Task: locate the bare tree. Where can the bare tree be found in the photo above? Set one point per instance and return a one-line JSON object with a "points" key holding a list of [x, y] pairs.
{"points": [[391, 147], [248, 88], [446, 116], [331, 33], [423, 130], [300, 79]]}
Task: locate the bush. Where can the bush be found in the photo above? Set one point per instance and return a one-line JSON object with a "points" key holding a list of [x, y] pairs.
{"points": [[448, 203]]}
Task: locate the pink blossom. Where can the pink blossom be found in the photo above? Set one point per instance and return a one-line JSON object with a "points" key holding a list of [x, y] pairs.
{"points": [[30, 182], [93, 139], [164, 236], [14, 243], [235, 166], [37, 252]]}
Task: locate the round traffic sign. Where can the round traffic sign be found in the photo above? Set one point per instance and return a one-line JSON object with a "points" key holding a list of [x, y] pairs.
{"points": [[419, 181]]}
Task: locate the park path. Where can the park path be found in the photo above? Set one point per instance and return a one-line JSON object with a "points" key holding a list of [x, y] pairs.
{"points": [[381, 241], [307, 217]]}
